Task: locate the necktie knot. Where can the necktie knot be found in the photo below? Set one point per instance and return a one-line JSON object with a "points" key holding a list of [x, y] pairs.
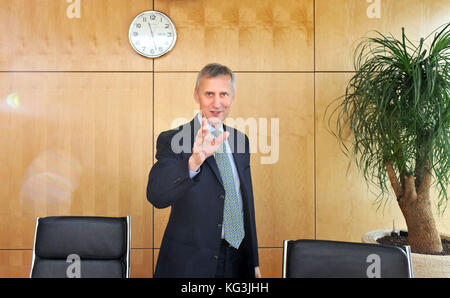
{"points": [[216, 133]]}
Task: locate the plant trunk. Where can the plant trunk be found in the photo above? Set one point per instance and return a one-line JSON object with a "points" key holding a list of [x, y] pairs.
{"points": [[414, 202], [423, 236]]}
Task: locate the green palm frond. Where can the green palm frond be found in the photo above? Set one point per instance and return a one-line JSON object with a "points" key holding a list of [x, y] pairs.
{"points": [[397, 107]]}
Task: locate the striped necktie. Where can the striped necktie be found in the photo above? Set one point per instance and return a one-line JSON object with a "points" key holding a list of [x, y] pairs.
{"points": [[233, 222]]}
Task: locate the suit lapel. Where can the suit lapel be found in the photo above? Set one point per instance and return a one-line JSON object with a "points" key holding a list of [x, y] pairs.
{"points": [[211, 161]]}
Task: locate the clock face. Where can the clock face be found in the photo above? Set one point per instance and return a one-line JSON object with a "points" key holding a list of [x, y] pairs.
{"points": [[152, 34]]}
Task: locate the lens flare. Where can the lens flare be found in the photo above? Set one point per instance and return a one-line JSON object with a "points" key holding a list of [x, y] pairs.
{"points": [[49, 184], [13, 101]]}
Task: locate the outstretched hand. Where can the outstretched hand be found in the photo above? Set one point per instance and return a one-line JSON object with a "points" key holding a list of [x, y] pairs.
{"points": [[204, 146]]}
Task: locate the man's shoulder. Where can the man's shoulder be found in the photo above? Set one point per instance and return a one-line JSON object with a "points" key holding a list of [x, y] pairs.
{"points": [[234, 131], [169, 134]]}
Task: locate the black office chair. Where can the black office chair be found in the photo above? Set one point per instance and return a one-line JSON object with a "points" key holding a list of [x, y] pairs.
{"points": [[90, 247], [328, 259]]}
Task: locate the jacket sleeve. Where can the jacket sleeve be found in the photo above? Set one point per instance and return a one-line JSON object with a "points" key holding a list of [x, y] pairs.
{"points": [[169, 177]]}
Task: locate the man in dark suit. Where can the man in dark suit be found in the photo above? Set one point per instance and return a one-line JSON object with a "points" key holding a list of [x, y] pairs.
{"points": [[203, 173]]}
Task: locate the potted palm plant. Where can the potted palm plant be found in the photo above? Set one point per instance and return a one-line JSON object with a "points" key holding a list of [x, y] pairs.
{"points": [[397, 108]]}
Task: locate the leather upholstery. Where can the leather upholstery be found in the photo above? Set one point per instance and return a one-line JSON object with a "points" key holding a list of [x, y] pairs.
{"points": [[100, 242], [327, 259]]}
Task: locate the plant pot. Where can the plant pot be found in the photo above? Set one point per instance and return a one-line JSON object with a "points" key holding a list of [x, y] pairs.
{"points": [[423, 265]]}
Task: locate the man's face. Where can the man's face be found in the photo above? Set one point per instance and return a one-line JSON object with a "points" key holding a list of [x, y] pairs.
{"points": [[215, 95]]}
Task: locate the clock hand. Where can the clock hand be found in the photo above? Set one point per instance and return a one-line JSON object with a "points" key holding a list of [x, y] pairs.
{"points": [[153, 38]]}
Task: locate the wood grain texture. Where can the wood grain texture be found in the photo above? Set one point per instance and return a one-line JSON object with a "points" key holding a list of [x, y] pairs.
{"points": [[271, 262], [15, 263], [155, 257], [141, 263], [245, 35], [74, 144], [341, 24], [39, 35]]}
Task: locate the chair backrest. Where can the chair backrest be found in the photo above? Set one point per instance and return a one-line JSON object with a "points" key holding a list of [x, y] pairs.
{"points": [[328, 259], [72, 246]]}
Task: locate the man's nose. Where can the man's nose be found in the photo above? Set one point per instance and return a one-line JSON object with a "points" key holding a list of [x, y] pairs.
{"points": [[216, 101]]}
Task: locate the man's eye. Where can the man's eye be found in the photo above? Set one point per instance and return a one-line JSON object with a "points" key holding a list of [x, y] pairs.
{"points": [[208, 93], [223, 94]]}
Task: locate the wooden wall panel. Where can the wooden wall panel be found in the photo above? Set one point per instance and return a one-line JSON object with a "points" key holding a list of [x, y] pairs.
{"points": [[39, 35], [284, 190], [271, 262], [155, 257], [340, 25], [288, 98], [141, 263], [243, 34], [74, 144], [15, 263]]}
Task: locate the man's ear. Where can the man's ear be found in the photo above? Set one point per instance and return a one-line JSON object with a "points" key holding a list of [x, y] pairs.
{"points": [[197, 100]]}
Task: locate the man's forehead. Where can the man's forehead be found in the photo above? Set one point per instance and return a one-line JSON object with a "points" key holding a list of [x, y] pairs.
{"points": [[226, 79]]}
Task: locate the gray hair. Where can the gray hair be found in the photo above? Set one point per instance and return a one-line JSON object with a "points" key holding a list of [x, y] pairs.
{"points": [[213, 70]]}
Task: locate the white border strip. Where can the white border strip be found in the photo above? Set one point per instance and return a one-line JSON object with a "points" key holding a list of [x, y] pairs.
{"points": [[408, 254], [285, 245], [128, 245], [34, 247]]}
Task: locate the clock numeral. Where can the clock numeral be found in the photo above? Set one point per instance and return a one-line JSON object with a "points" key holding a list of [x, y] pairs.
{"points": [[163, 34]]}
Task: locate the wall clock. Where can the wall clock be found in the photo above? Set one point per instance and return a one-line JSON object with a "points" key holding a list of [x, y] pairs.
{"points": [[152, 34]]}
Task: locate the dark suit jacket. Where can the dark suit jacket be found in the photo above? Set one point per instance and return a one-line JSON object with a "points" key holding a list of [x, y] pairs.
{"points": [[191, 242]]}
